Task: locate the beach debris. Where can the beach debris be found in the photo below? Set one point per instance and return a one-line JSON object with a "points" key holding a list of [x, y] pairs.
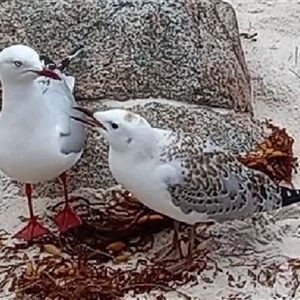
{"points": [[249, 36], [66, 279], [52, 249], [294, 265], [274, 156]]}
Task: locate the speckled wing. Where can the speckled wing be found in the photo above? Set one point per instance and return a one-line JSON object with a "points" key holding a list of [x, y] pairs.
{"points": [[59, 97], [214, 182]]}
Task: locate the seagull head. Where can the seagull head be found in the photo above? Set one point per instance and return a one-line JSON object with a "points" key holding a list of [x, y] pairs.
{"points": [[123, 129], [20, 63]]}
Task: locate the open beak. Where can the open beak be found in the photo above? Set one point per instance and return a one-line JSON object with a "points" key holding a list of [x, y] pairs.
{"points": [[48, 73], [88, 117]]}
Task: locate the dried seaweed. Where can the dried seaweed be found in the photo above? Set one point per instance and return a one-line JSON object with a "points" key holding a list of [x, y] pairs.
{"points": [[62, 279], [294, 265], [119, 224], [112, 231], [274, 156]]}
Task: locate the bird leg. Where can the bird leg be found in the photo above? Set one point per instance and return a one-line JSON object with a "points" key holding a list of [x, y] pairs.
{"points": [[185, 263], [176, 241], [165, 252], [191, 244], [34, 228], [66, 218]]}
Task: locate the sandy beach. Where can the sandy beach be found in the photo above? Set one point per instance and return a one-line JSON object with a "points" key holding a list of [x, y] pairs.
{"points": [[259, 269]]}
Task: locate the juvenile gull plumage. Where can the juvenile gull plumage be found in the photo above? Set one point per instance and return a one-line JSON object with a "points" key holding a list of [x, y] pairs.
{"points": [[38, 139], [181, 175]]}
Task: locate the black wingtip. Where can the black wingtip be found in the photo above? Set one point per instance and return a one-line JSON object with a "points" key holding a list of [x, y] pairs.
{"points": [[289, 196], [76, 50], [48, 62], [66, 61], [63, 65]]}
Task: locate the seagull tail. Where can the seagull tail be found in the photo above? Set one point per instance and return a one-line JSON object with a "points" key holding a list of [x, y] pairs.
{"points": [[63, 65], [289, 196], [66, 61], [47, 61]]}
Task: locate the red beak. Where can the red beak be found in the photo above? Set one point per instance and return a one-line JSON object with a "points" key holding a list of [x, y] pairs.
{"points": [[49, 73]]}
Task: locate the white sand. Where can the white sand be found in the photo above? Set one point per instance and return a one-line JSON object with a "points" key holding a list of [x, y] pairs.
{"points": [[277, 95]]}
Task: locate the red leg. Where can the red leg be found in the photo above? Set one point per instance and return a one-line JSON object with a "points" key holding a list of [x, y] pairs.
{"points": [[33, 228], [66, 218]]}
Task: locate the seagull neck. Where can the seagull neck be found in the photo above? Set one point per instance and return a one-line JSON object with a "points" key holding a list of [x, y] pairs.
{"points": [[21, 96], [143, 145]]}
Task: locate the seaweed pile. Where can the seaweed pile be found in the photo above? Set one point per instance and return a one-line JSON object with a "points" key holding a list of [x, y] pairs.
{"points": [[75, 267], [274, 156]]}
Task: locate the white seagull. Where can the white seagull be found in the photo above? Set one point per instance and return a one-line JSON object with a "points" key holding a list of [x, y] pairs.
{"points": [[38, 139], [182, 176]]}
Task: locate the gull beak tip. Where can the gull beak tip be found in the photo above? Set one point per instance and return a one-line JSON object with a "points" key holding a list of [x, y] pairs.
{"points": [[88, 117], [49, 73]]}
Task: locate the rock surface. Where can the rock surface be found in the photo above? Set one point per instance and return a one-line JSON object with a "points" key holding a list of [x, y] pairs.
{"points": [[185, 50]]}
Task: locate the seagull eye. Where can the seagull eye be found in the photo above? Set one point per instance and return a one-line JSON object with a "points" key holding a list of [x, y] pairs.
{"points": [[114, 126], [18, 63]]}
